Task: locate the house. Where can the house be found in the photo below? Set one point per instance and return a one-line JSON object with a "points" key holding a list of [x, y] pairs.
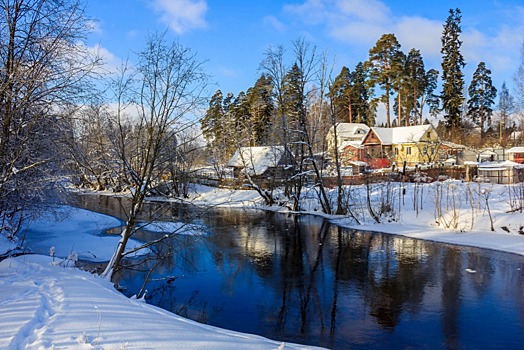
{"points": [[350, 151], [456, 154], [263, 161], [506, 172], [411, 144], [516, 154], [347, 134]]}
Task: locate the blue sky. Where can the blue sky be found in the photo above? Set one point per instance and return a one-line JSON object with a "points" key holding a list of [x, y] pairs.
{"points": [[232, 36]]}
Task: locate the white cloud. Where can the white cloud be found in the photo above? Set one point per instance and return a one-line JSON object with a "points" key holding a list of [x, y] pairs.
{"points": [[273, 22], [110, 61], [94, 26], [182, 15]]}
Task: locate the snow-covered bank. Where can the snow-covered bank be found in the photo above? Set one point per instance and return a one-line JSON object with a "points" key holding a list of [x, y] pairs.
{"points": [[74, 231], [44, 306], [465, 218]]}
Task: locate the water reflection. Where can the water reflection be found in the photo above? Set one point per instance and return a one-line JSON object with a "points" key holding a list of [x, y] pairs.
{"points": [[303, 280]]}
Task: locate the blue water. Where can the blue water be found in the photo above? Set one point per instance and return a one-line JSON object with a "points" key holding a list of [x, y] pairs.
{"points": [[303, 280]]}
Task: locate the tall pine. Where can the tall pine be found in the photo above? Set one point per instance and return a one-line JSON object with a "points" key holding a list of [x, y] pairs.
{"points": [[482, 95], [385, 62], [452, 95]]}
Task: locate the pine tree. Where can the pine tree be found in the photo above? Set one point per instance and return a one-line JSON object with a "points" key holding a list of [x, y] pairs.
{"points": [[384, 61], [421, 85], [482, 95], [261, 108], [452, 95], [210, 124]]}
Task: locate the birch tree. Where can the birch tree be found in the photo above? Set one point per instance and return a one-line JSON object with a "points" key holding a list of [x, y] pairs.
{"points": [[166, 89], [44, 68]]}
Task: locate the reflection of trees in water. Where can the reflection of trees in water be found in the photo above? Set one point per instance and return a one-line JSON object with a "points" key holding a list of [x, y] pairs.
{"points": [[451, 276], [397, 278], [329, 284]]}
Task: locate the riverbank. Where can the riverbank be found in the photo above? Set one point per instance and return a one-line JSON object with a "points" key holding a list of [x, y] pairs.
{"points": [[463, 215], [44, 304], [47, 303]]}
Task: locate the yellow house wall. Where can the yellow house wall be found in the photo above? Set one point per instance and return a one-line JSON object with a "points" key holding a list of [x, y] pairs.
{"points": [[416, 156]]}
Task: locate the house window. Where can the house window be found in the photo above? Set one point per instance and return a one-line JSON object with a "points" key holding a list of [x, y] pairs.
{"points": [[408, 150], [396, 151], [429, 134]]}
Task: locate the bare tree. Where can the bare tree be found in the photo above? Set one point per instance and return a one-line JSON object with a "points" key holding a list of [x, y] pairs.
{"points": [[43, 69], [167, 87]]}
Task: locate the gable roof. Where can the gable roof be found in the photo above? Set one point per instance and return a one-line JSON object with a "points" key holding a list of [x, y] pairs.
{"points": [[402, 134], [352, 129], [516, 150], [256, 159]]}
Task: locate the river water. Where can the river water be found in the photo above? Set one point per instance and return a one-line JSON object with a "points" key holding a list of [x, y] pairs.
{"points": [[300, 279]]}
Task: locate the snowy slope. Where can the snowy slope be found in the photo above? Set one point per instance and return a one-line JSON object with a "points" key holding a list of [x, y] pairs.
{"points": [[45, 306]]}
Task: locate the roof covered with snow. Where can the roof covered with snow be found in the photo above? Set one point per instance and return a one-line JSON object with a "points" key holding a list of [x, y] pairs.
{"points": [[346, 130], [256, 159], [402, 134], [516, 150]]}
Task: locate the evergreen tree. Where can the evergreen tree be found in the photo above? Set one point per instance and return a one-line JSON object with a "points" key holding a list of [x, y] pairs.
{"points": [[518, 79], [362, 108], [211, 123], [482, 95], [261, 108], [452, 95], [506, 107], [293, 100], [350, 94], [385, 63], [421, 86], [340, 95]]}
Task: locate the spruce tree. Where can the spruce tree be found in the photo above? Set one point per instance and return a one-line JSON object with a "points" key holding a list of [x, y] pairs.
{"points": [[505, 107], [482, 95], [340, 95], [452, 95], [362, 93]]}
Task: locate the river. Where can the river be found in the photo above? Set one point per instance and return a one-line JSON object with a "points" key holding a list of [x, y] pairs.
{"points": [[300, 279]]}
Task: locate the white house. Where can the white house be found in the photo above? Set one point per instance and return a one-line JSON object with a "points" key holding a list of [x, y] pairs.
{"points": [[256, 161], [347, 134]]}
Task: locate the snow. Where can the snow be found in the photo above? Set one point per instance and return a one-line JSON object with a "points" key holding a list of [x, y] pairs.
{"points": [[74, 231], [402, 134], [257, 159], [516, 150], [44, 305]]}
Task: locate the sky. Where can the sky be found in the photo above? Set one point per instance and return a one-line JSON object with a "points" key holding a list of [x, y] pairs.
{"points": [[231, 37]]}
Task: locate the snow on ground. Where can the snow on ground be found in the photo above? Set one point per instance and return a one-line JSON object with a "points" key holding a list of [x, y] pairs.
{"points": [[46, 306], [464, 218], [221, 197], [74, 231]]}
